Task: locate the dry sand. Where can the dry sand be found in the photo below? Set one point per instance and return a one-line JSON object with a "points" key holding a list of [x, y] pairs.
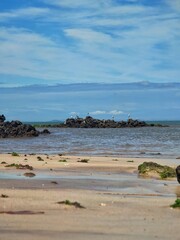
{"points": [[118, 204]]}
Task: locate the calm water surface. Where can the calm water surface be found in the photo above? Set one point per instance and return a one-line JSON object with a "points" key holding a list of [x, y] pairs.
{"points": [[137, 142]]}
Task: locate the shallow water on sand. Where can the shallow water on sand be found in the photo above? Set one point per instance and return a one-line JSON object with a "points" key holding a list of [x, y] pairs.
{"points": [[128, 184], [138, 142]]}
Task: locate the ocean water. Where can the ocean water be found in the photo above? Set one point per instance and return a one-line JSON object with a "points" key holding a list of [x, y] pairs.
{"points": [[161, 142]]}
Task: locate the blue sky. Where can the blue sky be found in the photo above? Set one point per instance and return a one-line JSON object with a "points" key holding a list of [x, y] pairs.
{"points": [[86, 41]]}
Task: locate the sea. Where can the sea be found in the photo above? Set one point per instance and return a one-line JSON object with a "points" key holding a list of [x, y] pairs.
{"points": [[149, 142]]}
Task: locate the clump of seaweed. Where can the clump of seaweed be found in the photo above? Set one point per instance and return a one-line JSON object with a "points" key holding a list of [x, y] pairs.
{"points": [[20, 166], [21, 212], [163, 171], [14, 154], [3, 162], [40, 158], [176, 204], [69, 203], [62, 160], [4, 196], [84, 160]]}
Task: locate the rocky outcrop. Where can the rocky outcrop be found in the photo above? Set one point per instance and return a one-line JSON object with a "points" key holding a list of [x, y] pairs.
{"points": [[45, 131], [2, 118], [178, 173], [90, 122], [17, 129]]}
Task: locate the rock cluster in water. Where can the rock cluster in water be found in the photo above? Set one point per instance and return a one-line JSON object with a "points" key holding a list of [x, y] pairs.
{"points": [[17, 129], [90, 122]]}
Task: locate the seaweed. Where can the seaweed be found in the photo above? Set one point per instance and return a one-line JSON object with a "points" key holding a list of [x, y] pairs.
{"points": [[69, 203], [14, 154], [3, 162], [21, 212], [176, 204], [163, 171], [62, 160], [40, 158], [84, 160], [4, 196], [20, 166]]}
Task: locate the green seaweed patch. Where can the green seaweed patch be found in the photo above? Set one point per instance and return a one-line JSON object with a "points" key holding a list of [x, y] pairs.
{"points": [[62, 160], [163, 171], [14, 154], [84, 160], [69, 203], [20, 166], [176, 204]]}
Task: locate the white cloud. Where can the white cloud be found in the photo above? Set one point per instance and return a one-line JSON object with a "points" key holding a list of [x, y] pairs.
{"points": [[26, 54], [23, 12], [174, 4], [88, 35], [113, 112], [74, 114], [101, 42], [98, 112], [126, 9], [78, 3]]}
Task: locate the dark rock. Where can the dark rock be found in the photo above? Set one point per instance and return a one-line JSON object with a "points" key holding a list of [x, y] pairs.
{"points": [[178, 173], [89, 122], [45, 131], [29, 174], [2, 118], [16, 129]]}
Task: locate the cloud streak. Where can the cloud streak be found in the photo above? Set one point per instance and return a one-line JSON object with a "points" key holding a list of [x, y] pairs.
{"points": [[23, 13], [91, 41], [112, 112], [150, 101]]}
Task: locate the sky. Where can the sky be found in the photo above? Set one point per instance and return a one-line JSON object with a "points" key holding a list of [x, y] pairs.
{"points": [[64, 42]]}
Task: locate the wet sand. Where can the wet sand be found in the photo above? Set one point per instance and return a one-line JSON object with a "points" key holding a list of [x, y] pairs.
{"points": [[118, 204]]}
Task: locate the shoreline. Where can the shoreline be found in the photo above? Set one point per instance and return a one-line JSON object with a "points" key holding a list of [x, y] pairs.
{"points": [[118, 203]]}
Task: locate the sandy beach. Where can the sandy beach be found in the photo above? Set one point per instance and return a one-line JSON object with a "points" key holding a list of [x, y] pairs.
{"points": [[118, 204]]}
